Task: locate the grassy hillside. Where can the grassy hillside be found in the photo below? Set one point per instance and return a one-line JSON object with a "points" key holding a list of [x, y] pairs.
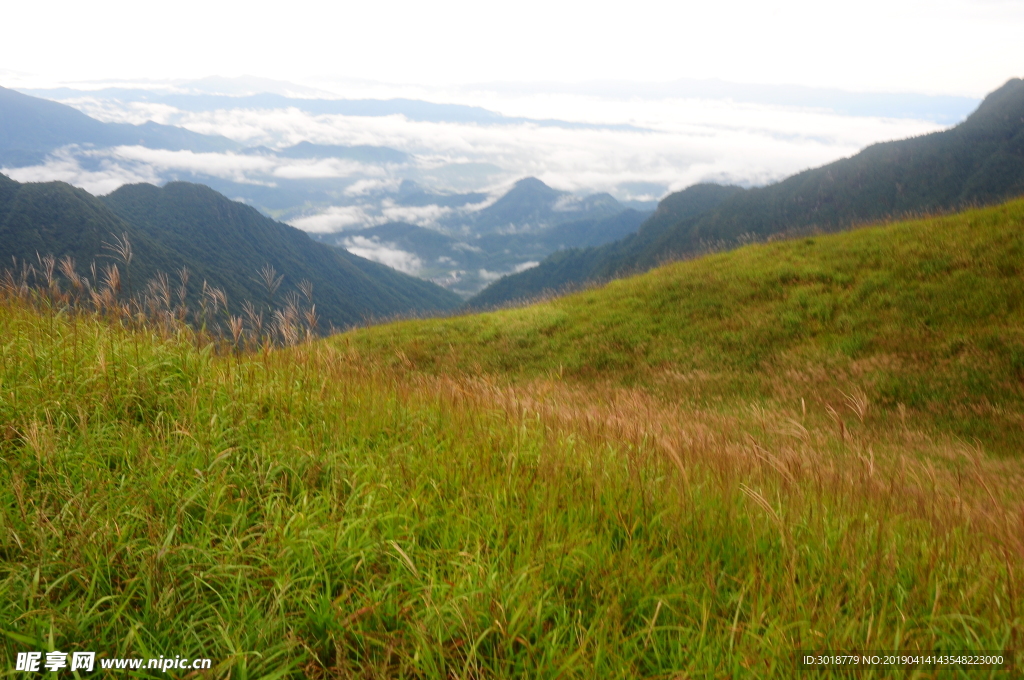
{"points": [[693, 473], [926, 314], [978, 162]]}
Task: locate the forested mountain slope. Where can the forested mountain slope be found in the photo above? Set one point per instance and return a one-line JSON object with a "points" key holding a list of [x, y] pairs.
{"points": [[220, 241]]}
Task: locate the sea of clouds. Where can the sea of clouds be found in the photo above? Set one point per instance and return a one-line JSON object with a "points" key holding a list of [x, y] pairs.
{"points": [[636, 149]]}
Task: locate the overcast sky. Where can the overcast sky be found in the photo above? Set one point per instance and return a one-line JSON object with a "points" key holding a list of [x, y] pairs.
{"points": [[935, 47]]}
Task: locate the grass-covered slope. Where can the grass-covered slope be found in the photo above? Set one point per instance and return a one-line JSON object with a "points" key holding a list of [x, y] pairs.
{"points": [[978, 162], [927, 314], [694, 473]]}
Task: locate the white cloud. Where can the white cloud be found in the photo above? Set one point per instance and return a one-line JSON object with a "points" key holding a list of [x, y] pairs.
{"points": [[325, 168], [421, 215], [523, 266], [63, 166], [568, 203], [490, 277], [692, 140], [235, 167], [363, 187], [336, 218], [385, 253]]}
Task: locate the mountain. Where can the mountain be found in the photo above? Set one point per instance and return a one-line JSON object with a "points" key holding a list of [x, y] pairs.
{"points": [[572, 267], [979, 162], [466, 263], [531, 205], [469, 248], [233, 241], [411, 109], [34, 127], [412, 194], [219, 240], [56, 218]]}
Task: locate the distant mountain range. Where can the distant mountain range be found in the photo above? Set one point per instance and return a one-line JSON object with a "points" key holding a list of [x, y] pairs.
{"points": [[468, 247], [412, 109], [980, 161], [468, 250], [222, 242], [32, 128]]}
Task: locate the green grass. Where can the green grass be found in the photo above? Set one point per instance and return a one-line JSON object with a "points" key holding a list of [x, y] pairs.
{"points": [[620, 484], [928, 314]]}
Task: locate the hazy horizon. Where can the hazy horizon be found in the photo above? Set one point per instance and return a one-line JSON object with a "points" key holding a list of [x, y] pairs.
{"points": [[585, 139]]}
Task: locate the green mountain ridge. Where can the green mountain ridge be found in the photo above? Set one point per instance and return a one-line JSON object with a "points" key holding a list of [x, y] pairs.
{"points": [[220, 241], [978, 162]]}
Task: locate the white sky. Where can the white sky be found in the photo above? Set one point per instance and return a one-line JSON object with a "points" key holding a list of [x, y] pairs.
{"points": [[936, 47]]}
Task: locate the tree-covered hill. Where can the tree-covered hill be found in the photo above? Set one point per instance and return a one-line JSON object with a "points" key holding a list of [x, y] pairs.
{"points": [[54, 218], [979, 162], [221, 241]]}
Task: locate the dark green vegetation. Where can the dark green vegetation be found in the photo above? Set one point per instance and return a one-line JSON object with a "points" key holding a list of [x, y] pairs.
{"points": [[220, 241], [31, 128], [692, 473], [979, 162]]}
